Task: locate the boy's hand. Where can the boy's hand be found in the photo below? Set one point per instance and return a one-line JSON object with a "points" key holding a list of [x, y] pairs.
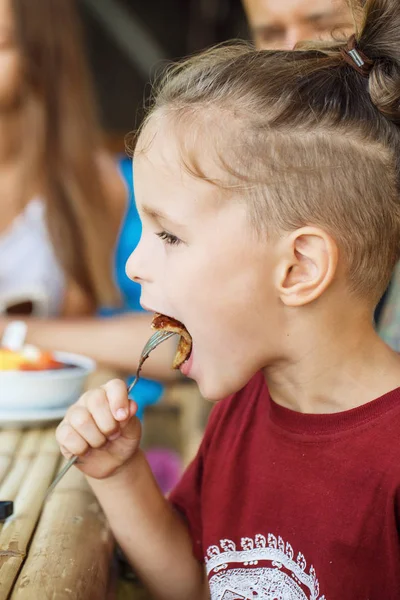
{"points": [[102, 429]]}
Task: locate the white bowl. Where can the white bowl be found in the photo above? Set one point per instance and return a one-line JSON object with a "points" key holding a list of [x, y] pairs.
{"points": [[57, 388]]}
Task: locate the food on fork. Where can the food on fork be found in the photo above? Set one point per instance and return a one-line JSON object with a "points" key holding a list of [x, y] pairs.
{"points": [[29, 358], [185, 342]]}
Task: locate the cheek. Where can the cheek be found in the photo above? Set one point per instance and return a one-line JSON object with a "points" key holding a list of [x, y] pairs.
{"points": [[221, 298], [179, 279]]}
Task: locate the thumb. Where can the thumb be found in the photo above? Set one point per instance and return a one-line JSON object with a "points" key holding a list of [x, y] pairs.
{"points": [[131, 428], [117, 396]]}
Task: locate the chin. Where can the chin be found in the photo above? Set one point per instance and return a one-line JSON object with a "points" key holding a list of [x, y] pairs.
{"points": [[216, 390]]}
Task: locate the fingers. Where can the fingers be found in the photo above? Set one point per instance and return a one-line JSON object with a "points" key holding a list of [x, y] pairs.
{"points": [[83, 422], [99, 416], [71, 442], [79, 432], [99, 407]]}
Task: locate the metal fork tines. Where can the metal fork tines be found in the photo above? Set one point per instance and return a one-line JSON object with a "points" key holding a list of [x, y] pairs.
{"points": [[155, 340]]}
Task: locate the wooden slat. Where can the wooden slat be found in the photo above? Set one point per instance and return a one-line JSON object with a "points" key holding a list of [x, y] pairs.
{"points": [[31, 443], [9, 441], [9, 567], [49, 444], [26, 483], [27, 450], [71, 551]]}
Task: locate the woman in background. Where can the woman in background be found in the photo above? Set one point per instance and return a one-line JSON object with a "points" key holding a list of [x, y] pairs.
{"points": [[62, 197]]}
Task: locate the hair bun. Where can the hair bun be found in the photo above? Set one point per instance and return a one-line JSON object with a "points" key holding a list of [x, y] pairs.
{"points": [[380, 40], [384, 87]]}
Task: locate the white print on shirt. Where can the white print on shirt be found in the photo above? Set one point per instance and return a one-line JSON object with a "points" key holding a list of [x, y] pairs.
{"points": [[260, 571]]}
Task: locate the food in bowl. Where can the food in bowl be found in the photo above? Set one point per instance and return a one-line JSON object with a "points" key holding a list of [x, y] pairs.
{"points": [[162, 322], [34, 389], [29, 358]]}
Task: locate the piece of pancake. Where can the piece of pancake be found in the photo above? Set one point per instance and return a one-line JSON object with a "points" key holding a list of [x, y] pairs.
{"points": [[162, 322]]}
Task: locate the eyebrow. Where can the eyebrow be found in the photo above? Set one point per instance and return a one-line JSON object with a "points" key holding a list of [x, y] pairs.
{"points": [[266, 27], [158, 215]]}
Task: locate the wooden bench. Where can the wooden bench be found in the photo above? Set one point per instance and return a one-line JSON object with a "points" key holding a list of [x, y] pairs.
{"points": [[62, 549]]}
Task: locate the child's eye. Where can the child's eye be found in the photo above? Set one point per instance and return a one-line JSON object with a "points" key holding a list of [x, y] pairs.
{"points": [[169, 238]]}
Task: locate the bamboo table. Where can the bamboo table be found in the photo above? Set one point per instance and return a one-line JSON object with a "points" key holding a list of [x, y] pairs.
{"points": [[62, 550]]}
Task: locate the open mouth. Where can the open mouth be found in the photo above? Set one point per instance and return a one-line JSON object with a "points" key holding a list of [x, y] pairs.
{"points": [[162, 322]]}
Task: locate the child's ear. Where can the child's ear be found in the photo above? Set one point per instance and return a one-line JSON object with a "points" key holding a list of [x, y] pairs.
{"points": [[309, 258]]}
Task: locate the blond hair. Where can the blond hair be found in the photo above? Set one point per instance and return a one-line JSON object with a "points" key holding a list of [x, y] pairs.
{"points": [[303, 137]]}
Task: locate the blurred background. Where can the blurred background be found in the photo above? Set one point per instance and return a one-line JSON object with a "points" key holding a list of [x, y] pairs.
{"points": [[126, 39]]}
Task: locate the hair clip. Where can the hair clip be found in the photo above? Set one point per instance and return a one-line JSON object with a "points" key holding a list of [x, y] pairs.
{"points": [[355, 58]]}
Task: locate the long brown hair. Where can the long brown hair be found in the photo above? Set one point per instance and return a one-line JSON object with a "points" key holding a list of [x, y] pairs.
{"points": [[303, 137], [61, 142]]}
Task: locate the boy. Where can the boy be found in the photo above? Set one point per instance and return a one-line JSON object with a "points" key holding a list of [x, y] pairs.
{"points": [[265, 184]]}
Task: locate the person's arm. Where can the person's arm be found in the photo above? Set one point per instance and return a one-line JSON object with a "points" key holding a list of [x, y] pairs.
{"points": [[153, 537], [115, 342], [103, 430], [75, 302]]}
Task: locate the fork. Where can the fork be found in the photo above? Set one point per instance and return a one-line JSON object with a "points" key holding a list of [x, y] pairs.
{"points": [[155, 340]]}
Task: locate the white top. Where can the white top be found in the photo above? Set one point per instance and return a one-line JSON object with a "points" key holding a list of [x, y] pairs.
{"points": [[29, 270]]}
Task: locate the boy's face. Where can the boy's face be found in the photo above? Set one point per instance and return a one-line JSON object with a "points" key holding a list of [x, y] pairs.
{"points": [[200, 261], [282, 24]]}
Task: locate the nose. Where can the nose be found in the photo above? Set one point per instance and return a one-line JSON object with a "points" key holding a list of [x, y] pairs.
{"points": [[292, 37], [137, 267]]}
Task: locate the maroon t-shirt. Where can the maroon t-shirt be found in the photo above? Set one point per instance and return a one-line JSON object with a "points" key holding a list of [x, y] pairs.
{"points": [[289, 506]]}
